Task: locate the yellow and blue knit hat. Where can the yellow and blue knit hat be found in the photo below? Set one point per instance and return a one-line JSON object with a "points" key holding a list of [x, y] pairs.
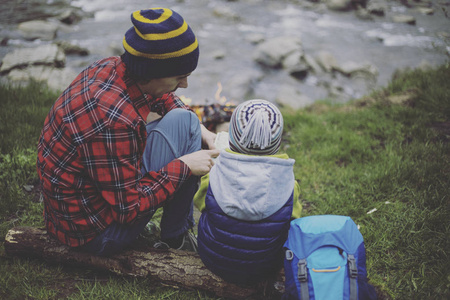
{"points": [[160, 44], [256, 127]]}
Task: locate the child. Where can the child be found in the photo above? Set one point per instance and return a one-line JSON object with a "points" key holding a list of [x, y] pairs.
{"points": [[249, 199]]}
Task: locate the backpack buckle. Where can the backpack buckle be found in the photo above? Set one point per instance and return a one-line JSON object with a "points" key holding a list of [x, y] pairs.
{"points": [[302, 271], [289, 255], [353, 270]]}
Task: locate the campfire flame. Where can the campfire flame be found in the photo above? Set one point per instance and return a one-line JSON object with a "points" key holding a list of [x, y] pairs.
{"points": [[220, 99]]}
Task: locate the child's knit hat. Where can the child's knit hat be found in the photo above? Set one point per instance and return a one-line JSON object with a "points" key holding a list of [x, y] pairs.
{"points": [[256, 127], [160, 44]]}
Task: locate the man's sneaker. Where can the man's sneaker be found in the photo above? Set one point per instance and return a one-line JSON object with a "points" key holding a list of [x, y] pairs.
{"points": [[189, 243], [161, 245]]}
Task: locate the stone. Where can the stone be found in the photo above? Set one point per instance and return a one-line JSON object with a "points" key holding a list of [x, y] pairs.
{"points": [[327, 61], [273, 52], [418, 3], [363, 14], [353, 68], [404, 19], [57, 79], [299, 70], [49, 54], [292, 60], [358, 3], [339, 5], [255, 38], [425, 10], [290, 96], [376, 8], [71, 49], [70, 17], [312, 63], [226, 13], [336, 91], [38, 29]]}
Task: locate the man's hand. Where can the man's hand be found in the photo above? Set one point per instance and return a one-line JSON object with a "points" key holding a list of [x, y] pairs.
{"points": [[208, 138], [200, 162]]}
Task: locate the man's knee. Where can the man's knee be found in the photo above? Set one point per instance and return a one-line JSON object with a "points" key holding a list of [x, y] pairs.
{"points": [[176, 134], [176, 121], [183, 121]]}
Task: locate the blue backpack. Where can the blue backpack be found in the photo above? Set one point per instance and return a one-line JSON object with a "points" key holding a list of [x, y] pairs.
{"points": [[326, 259]]}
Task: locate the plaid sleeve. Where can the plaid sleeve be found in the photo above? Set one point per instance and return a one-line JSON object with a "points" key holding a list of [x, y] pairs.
{"points": [[112, 159]]}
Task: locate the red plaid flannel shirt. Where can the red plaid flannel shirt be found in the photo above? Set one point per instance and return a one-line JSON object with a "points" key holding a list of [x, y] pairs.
{"points": [[89, 155]]}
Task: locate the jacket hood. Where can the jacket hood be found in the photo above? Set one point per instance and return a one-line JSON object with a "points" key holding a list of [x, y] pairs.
{"points": [[251, 187]]}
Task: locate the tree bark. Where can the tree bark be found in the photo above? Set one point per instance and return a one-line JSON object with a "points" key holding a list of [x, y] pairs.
{"points": [[168, 267]]}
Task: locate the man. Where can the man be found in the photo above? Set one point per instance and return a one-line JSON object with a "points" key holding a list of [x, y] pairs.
{"points": [[103, 170]]}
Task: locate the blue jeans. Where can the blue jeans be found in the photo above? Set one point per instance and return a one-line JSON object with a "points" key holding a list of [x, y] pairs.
{"points": [[171, 137]]}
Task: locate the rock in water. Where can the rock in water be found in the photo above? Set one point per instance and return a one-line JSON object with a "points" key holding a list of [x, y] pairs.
{"points": [[38, 29], [50, 55]]}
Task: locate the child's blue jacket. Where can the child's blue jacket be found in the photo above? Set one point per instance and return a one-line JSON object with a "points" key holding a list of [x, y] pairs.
{"points": [[248, 207]]}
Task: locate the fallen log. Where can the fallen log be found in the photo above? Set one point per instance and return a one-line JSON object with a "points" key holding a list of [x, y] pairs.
{"points": [[175, 268]]}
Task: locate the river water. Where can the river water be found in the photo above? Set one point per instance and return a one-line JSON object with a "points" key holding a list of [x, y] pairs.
{"points": [[226, 54]]}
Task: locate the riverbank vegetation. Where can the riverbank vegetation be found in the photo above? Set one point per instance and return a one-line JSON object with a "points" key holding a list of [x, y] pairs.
{"points": [[384, 160]]}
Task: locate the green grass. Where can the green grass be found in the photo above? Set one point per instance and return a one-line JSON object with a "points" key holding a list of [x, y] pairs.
{"points": [[356, 157], [22, 113], [350, 159]]}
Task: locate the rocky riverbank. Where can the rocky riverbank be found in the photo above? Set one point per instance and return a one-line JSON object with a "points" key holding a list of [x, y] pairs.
{"points": [[292, 52], [30, 32]]}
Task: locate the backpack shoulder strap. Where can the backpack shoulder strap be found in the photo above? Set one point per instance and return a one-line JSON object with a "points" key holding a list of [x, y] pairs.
{"points": [[303, 279], [353, 274]]}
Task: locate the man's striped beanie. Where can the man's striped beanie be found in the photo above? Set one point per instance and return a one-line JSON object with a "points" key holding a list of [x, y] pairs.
{"points": [[256, 127], [160, 44]]}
